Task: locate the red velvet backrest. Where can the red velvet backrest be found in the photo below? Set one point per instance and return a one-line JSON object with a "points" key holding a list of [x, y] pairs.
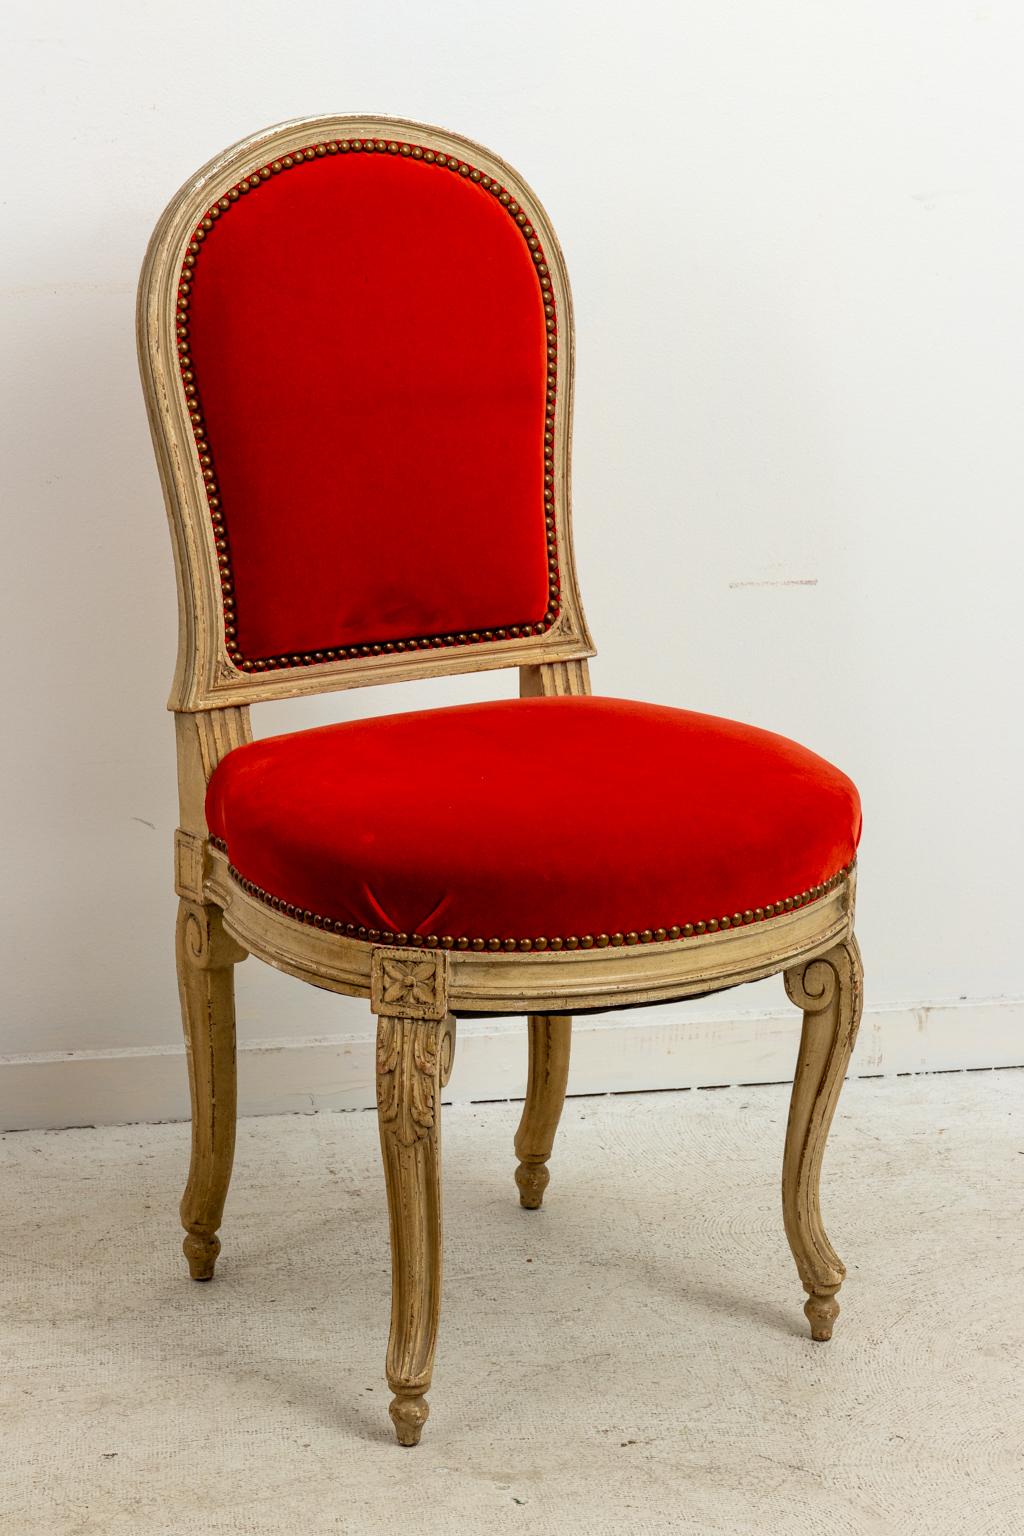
{"points": [[367, 336]]}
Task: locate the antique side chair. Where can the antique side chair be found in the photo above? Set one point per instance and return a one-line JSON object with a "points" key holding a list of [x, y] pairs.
{"points": [[357, 353]]}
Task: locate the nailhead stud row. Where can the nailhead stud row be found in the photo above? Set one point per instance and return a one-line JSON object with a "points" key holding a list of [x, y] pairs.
{"points": [[572, 941], [256, 179]]}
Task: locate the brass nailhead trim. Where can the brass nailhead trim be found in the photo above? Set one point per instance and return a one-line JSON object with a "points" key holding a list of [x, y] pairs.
{"points": [[571, 941], [520, 218]]}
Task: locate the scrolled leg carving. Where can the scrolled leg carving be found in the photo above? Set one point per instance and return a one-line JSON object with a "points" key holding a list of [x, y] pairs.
{"points": [[206, 958], [415, 1049], [550, 1038], [830, 992]]}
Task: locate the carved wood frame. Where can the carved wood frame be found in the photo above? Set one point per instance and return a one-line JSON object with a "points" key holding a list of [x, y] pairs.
{"points": [[221, 922]]}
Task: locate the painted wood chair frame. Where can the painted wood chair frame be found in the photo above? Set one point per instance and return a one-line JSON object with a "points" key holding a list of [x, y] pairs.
{"points": [[416, 993]]}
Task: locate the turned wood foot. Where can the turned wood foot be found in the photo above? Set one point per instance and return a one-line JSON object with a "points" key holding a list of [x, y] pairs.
{"points": [[206, 957], [201, 1253], [415, 1047], [408, 1415], [830, 992], [550, 1040], [821, 1311], [532, 1179]]}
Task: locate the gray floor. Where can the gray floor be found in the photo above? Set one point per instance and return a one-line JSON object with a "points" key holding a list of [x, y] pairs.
{"points": [[632, 1359]]}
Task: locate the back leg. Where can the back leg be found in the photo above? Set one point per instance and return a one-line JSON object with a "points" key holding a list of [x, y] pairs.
{"points": [[207, 957], [550, 1037]]}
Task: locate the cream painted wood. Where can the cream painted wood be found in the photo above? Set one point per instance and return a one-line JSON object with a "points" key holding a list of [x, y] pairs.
{"points": [[550, 1040], [203, 739], [830, 990], [207, 957], [415, 1047], [415, 993], [555, 679]]}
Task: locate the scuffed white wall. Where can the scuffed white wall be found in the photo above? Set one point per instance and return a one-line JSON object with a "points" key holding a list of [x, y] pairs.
{"points": [[794, 236]]}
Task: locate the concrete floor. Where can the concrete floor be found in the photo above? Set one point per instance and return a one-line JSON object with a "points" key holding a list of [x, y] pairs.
{"points": [[631, 1360]]}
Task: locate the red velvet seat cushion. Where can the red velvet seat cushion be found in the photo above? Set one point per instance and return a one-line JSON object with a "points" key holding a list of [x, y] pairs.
{"points": [[526, 820]]}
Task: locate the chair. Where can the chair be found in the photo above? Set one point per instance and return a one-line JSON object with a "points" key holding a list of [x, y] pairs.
{"points": [[356, 346]]}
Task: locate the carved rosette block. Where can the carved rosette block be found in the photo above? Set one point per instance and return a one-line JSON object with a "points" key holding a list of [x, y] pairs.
{"points": [[206, 957], [830, 991], [415, 1049], [550, 1041]]}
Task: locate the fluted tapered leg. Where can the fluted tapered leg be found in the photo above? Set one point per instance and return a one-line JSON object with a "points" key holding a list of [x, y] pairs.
{"points": [[414, 1060], [550, 1038], [830, 992], [206, 958]]}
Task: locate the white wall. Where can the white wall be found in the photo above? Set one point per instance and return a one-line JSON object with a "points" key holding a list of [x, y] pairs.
{"points": [[794, 234]]}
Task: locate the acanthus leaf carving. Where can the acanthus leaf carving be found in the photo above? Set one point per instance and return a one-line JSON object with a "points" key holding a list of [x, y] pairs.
{"points": [[412, 1055]]}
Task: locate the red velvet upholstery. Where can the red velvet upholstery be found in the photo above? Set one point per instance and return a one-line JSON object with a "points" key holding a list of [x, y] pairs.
{"points": [[566, 819], [369, 359]]}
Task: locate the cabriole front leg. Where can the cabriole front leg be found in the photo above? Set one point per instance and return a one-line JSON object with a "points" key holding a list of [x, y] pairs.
{"points": [[830, 992], [415, 1048], [206, 957]]}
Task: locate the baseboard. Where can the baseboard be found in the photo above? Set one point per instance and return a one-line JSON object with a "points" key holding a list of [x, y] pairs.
{"points": [[613, 1053]]}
